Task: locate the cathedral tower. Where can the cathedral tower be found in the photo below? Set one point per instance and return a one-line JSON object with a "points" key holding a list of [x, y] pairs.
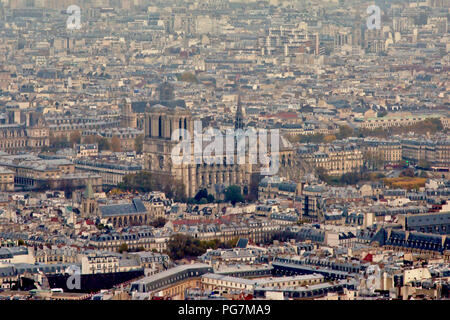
{"points": [[88, 202], [128, 117], [239, 122]]}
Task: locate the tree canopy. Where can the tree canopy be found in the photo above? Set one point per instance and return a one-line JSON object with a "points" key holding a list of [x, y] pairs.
{"points": [[115, 144], [123, 247], [158, 222], [145, 181], [139, 143], [182, 246], [233, 194]]}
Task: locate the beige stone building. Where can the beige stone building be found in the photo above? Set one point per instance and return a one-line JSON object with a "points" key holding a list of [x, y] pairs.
{"points": [[436, 153], [389, 151], [404, 120], [56, 255], [213, 281], [32, 172], [16, 137], [6, 179], [336, 160]]}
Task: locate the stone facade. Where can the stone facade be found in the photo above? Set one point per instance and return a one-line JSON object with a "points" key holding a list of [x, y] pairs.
{"points": [[160, 122], [336, 160]]}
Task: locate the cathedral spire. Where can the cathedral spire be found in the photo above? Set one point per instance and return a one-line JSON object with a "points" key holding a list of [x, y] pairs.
{"points": [[239, 122]]}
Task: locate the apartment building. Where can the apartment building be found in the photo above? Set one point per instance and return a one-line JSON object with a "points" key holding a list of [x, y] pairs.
{"points": [[6, 179], [336, 159], [86, 150], [99, 263], [399, 121], [112, 172], [387, 151], [212, 281], [17, 137], [33, 172], [436, 152]]}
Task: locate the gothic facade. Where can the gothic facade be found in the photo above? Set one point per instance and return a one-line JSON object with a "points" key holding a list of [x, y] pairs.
{"points": [[161, 121]]}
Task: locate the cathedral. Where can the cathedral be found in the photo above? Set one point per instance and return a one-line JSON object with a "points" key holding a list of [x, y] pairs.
{"points": [[160, 118], [159, 124], [160, 121]]}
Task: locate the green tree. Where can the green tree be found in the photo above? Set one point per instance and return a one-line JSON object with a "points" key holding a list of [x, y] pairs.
{"points": [[75, 138], [426, 126], [103, 143], [233, 194], [423, 174], [322, 174], [329, 138], [203, 193], [115, 144], [158, 222], [350, 178], [373, 160], [90, 139], [123, 248], [311, 138], [408, 172], [42, 185], [182, 246], [345, 131], [145, 181], [424, 164], [210, 198], [188, 77], [58, 142]]}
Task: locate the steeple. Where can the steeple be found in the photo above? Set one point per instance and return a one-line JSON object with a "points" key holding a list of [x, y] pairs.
{"points": [[166, 91], [239, 122], [89, 193], [88, 202]]}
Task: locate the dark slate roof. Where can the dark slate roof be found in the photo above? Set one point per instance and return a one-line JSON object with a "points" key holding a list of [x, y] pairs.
{"points": [[287, 186], [7, 253], [348, 235], [135, 207], [139, 106], [242, 243], [421, 220], [7, 271], [415, 240]]}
